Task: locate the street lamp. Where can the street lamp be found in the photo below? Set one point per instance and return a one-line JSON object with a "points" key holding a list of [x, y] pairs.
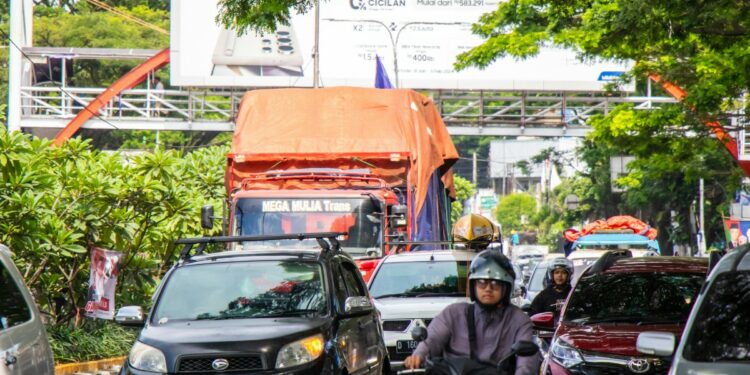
{"points": [[394, 41]]}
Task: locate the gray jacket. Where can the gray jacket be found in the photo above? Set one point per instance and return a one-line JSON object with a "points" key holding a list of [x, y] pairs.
{"points": [[447, 335]]}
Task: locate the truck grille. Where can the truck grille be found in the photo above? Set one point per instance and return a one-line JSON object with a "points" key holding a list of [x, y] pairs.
{"points": [[203, 364]]}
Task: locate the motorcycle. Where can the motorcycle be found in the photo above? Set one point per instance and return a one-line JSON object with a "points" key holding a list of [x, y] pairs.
{"points": [[460, 366]]}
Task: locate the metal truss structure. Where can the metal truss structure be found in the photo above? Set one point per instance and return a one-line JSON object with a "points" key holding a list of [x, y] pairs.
{"points": [[539, 114]]}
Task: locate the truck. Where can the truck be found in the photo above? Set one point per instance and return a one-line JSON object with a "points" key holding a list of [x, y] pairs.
{"points": [[373, 163]]}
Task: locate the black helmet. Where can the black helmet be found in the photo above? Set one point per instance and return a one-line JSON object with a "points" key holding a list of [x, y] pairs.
{"points": [[493, 265]]}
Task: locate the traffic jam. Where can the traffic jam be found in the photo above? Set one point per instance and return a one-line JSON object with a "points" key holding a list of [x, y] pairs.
{"points": [[340, 258]]}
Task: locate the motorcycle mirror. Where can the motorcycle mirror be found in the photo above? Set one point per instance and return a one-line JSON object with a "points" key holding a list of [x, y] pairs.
{"points": [[419, 333], [525, 348]]}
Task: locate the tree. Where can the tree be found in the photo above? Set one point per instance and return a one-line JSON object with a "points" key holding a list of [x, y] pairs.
{"points": [[464, 190], [513, 208], [56, 203], [259, 15], [699, 45]]}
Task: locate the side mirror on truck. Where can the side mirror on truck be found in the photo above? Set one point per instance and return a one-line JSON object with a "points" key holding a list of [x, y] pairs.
{"points": [[397, 215], [207, 216]]}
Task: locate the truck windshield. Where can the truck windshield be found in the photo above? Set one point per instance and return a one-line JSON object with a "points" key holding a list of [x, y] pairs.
{"points": [[242, 290], [271, 216]]}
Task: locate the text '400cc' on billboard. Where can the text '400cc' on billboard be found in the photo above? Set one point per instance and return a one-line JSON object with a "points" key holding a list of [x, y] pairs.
{"points": [[417, 40]]}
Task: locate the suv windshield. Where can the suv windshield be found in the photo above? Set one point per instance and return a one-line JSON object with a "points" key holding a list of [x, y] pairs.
{"points": [[271, 216], [536, 283], [638, 297], [420, 279], [721, 331], [242, 290]]}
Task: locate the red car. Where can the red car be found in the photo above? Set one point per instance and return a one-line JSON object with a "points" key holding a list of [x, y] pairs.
{"points": [[614, 301]]}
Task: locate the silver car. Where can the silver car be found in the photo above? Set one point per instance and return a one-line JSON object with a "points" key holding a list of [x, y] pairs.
{"points": [[24, 349], [716, 339], [410, 289]]}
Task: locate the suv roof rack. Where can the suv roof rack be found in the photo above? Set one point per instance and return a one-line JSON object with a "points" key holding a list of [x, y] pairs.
{"points": [[607, 260], [331, 244]]}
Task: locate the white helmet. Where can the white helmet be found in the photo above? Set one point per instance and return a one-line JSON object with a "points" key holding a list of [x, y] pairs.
{"points": [[560, 262]]}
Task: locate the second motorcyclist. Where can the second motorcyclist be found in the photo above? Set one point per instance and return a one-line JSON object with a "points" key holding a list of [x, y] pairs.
{"points": [[552, 298]]}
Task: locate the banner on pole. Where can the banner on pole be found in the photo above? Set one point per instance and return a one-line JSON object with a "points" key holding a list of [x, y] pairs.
{"points": [[105, 266]]}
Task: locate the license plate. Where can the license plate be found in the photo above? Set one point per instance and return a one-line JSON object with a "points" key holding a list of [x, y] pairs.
{"points": [[406, 346]]}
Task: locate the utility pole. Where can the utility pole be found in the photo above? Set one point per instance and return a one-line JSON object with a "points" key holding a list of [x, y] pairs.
{"points": [[316, 54], [474, 205], [701, 223]]}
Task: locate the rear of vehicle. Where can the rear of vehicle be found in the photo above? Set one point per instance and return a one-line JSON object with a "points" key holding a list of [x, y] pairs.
{"points": [[24, 349], [717, 336], [410, 289], [615, 301]]}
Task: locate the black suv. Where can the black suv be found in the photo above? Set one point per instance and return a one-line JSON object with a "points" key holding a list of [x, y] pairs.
{"points": [[260, 311]]}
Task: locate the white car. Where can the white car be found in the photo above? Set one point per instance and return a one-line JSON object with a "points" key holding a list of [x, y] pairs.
{"points": [[410, 289]]}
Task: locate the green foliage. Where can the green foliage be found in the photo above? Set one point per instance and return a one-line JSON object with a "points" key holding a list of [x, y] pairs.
{"points": [[259, 15], [670, 161], [700, 45], [89, 27], [95, 340], [464, 190], [512, 208], [58, 202]]}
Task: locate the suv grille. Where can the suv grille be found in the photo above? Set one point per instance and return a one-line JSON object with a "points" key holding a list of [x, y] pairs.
{"points": [[610, 364], [203, 364], [396, 325]]}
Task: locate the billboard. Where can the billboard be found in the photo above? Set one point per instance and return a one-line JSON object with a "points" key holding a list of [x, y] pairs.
{"points": [[417, 40]]}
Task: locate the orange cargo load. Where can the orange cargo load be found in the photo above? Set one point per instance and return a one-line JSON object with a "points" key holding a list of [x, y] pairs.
{"points": [[397, 134]]}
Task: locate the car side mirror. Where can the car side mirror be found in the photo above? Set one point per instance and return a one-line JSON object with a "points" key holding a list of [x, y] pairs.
{"points": [[419, 333], [543, 321], [207, 217], [524, 348], [357, 305], [656, 343], [131, 316]]}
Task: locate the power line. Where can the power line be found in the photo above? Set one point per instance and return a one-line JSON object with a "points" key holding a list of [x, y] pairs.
{"points": [[58, 86], [128, 16]]}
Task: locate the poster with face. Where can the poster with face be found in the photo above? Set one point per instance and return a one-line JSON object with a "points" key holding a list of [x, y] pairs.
{"points": [[105, 266]]}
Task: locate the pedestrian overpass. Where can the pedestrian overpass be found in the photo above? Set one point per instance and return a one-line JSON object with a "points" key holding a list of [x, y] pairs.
{"points": [[45, 109]]}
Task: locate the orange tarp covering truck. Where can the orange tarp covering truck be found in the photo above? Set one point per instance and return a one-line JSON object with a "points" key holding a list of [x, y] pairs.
{"points": [[371, 162]]}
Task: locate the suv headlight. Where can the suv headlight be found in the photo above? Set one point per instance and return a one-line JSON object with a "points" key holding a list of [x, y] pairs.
{"points": [[300, 352], [565, 354], [147, 358]]}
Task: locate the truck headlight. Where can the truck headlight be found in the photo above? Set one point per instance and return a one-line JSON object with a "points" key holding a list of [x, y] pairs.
{"points": [[565, 354], [147, 358], [300, 352]]}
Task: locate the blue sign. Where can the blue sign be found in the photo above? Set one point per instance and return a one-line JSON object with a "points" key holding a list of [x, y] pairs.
{"points": [[609, 75]]}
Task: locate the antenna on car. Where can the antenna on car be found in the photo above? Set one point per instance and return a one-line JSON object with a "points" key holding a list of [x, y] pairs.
{"points": [[332, 244]]}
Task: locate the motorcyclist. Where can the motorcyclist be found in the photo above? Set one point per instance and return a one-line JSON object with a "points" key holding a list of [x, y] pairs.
{"points": [[552, 298], [496, 323]]}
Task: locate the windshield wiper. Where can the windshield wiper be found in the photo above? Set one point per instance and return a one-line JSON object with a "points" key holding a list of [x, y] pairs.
{"points": [[291, 313], [441, 294], [612, 319], [404, 294]]}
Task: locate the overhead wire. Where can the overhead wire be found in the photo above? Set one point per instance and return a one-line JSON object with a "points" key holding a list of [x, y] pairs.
{"points": [[127, 16], [62, 89]]}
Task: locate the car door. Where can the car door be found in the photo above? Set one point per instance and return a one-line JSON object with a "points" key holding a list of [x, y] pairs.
{"points": [[365, 352], [23, 346]]}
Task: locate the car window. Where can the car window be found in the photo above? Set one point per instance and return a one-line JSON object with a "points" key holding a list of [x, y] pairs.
{"points": [[537, 278], [241, 290], [638, 297], [721, 331], [420, 279], [354, 285], [13, 308]]}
